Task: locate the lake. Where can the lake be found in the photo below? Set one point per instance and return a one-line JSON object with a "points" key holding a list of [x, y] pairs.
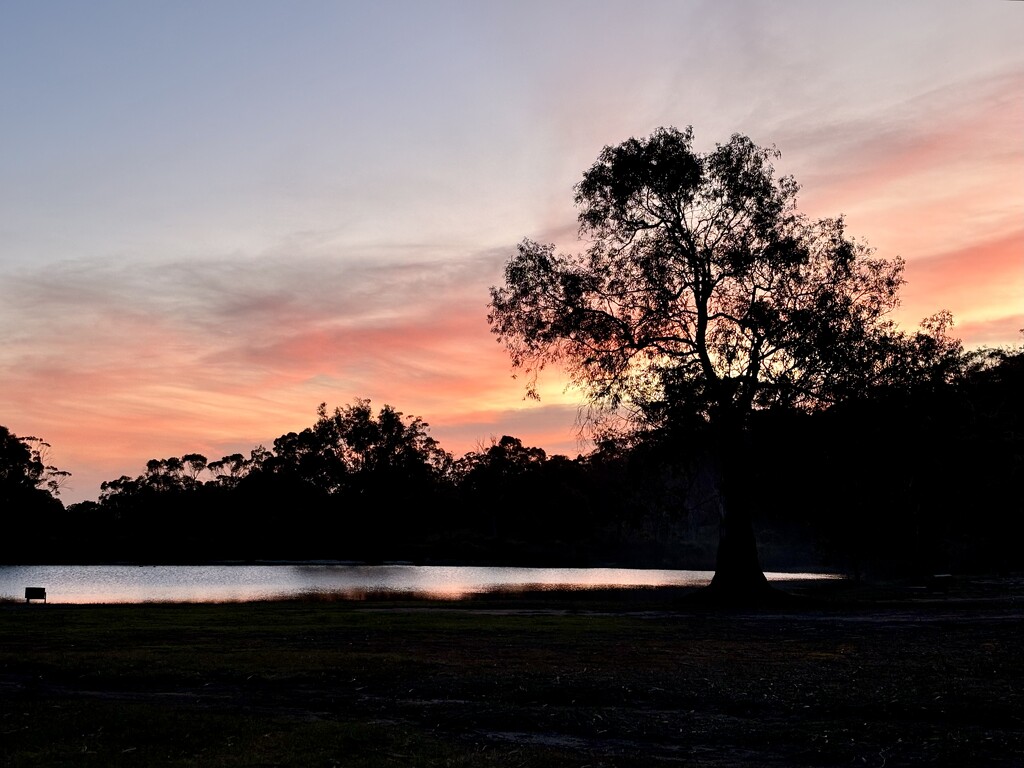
{"points": [[240, 583]]}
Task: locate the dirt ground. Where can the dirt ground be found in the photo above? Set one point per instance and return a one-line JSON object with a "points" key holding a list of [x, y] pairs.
{"points": [[870, 677]]}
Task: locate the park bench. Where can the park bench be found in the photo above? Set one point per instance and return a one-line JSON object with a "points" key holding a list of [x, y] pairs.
{"points": [[35, 593]]}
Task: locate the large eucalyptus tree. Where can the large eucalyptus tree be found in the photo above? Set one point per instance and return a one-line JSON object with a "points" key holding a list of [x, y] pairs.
{"points": [[702, 295]]}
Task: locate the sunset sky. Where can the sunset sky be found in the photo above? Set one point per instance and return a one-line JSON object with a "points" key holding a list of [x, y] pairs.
{"points": [[216, 215]]}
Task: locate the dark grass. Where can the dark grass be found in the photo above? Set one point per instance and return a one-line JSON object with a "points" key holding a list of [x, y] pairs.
{"points": [[613, 678]]}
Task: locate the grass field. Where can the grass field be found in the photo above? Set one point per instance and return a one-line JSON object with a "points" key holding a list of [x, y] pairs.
{"points": [[610, 679]]}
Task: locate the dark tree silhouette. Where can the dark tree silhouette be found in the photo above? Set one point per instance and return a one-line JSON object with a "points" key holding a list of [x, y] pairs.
{"points": [[28, 504], [230, 469], [19, 469], [703, 295], [352, 451], [499, 478], [193, 465], [24, 466], [381, 467]]}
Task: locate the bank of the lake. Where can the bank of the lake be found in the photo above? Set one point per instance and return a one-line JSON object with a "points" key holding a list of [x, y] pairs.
{"points": [[241, 583], [619, 678]]}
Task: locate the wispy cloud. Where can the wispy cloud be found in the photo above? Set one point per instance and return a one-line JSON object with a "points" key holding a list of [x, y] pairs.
{"points": [[925, 174]]}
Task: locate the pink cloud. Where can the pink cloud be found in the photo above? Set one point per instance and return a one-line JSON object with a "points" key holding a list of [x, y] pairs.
{"points": [[982, 285], [942, 172]]}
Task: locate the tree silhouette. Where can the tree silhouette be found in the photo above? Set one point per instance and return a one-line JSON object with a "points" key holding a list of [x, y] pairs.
{"points": [[29, 509], [703, 295], [24, 465], [498, 480], [19, 469], [351, 451], [229, 470]]}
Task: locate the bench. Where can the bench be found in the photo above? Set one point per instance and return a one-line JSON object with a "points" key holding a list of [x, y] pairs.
{"points": [[35, 593]]}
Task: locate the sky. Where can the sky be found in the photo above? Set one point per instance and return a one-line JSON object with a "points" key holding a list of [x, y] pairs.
{"points": [[215, 216]]}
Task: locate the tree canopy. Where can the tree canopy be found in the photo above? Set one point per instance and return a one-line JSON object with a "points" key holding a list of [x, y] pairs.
{"points": [[24, 467], [702, 288], [29, 485]]}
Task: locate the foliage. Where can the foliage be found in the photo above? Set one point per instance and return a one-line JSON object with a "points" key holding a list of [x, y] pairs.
{"points": [[29, 486], [18, 468], [24, 465], [229, 470], [352, 452]]}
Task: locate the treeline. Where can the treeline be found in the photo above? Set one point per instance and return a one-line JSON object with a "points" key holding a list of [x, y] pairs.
{"points": [[910, 481], [920, 480]]}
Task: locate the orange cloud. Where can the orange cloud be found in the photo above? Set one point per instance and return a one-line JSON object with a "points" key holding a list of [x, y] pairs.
{"points": [[938, 185], [982, 285]]}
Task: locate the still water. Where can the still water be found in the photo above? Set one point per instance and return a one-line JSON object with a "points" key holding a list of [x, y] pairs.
{"points": [[229, 583]]}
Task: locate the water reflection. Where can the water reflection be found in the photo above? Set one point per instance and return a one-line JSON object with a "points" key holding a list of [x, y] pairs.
{"points": [[229, 583]]}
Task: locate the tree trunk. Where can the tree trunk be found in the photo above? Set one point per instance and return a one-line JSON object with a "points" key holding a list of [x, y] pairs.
{"points": [[738, 574]]}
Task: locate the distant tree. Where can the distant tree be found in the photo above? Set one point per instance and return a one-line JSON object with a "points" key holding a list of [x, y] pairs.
{"points": [[310, 457], [193, 465], [165, 514], [19, 469], [530, 507], [382, 468], [382, 453], [229, 470], [499, 479], [996, 451], [28, 489], [24, 464], [52, 478], [704, 295], [114, 492], [165, 475], [507, 457]]}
